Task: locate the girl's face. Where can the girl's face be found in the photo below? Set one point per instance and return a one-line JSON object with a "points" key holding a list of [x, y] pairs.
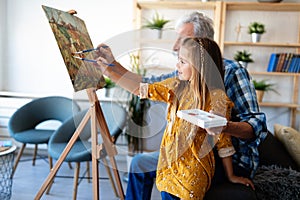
{"points": [[183, 66]]}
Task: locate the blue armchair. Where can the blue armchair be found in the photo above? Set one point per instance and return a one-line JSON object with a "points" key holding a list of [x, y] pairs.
{"points": [[115, 117], [23, 123]]}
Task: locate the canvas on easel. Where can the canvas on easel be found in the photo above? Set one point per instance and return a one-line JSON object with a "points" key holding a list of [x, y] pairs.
{"points": [[72, 36]]}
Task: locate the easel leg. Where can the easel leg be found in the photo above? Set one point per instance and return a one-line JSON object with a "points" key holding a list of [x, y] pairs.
{"points": [[110, 176], [63, 156], [109, 147], [95, 172], [96, 115]]}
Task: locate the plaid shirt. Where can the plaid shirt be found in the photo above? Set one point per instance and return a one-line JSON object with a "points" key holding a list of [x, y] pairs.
{"points": [[245, 110]]}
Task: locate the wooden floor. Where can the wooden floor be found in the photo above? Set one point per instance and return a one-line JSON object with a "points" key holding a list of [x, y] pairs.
{"points": [[28, 180]]}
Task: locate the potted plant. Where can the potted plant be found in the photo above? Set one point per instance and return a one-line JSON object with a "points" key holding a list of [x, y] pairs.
{"points": [[243, 57], [136, 112], [256, 29], [109, 84], [137, 108], [157, 23], [261, 87]]}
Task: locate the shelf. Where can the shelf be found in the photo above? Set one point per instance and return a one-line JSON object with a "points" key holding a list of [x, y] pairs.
{"points": [[224, 11], [290, 7], [275, 73], [279, 105], [263, 44], [211, 5], [176, 5]]}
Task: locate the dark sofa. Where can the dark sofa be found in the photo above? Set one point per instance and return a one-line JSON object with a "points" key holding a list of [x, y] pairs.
{"points": [[273, 156]]}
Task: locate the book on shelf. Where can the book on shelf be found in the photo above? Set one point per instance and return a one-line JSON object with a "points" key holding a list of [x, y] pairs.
{"points": [[280, 62], [284, 62], [293, 64], [297, 65], [202, 118], [287, 60], [273, 62]]}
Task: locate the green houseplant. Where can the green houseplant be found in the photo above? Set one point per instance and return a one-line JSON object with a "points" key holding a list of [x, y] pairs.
{"points": [[109, 84], [261, 87], [137, 108], [157, 22], [243, 57], [256, 29]]}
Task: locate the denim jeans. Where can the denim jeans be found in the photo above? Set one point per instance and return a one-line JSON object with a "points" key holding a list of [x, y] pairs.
{"points": [[141, 176], [168, 196]]}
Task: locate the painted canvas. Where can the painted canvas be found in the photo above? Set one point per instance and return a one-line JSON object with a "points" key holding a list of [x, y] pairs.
{"points": [[72, 36]]}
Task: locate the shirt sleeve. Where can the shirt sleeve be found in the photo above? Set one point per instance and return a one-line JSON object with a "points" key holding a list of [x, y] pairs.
{"points": [[225, 147], [241, 91], [161, 91], [221, 104], [153, 79]]}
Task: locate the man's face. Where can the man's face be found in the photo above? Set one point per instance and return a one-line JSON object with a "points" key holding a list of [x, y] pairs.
{"points": [[186, 30]]}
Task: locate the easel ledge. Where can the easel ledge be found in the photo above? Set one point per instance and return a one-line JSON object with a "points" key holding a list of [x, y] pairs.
{"points": [[96, 116]]}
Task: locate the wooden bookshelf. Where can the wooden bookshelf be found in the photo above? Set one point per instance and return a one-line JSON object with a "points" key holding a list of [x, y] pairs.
{"points": [[221, 16]]}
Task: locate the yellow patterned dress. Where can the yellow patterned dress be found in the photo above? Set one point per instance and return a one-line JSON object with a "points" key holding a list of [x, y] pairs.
{"points": [[186, 163]]}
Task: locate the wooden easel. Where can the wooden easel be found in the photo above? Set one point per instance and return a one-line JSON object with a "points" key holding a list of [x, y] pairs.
{"points": [[97, 119]]}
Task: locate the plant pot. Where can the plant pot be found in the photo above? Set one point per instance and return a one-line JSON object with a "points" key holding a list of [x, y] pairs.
{"points": [[159, 33], [243, 63], [259, 95], [255, 37], [109, 92]]}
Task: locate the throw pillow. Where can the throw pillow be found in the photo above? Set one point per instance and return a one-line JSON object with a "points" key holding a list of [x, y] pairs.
{"points": [[290, 139]]}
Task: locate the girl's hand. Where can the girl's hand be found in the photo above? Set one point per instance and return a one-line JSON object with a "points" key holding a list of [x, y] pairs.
{"points": [[214, 130], [105, 56], [241, 180]]}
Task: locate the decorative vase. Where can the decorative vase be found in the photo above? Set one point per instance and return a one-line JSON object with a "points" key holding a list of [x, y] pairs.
{"points": [[259, 95], [256, 37]]}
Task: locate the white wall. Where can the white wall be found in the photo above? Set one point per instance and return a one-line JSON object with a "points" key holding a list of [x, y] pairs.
{"points": [[2, 36], [33, 62]]}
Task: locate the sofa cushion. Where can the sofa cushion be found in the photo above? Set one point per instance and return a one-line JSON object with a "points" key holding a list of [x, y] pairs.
{"points": [[273, 182], [230, 191], [290, 138]]}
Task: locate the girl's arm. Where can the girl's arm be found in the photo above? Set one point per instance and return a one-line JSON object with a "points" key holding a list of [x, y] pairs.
{"points": [[227, 163], [117, 73]]}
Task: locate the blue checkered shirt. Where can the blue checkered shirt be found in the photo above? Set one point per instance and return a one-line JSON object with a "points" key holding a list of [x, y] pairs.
{"points": [[245, 110]]}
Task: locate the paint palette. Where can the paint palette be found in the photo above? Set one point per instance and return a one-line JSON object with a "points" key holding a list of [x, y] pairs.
{"points": [[202, 118]]}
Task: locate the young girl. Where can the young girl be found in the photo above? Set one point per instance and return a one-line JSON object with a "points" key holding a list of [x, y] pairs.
{"points": [[186, 163]]}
